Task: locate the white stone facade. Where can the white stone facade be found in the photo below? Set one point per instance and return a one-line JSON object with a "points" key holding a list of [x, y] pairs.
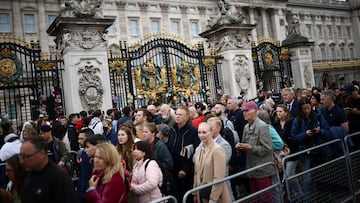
{"points": [[332, 25]]}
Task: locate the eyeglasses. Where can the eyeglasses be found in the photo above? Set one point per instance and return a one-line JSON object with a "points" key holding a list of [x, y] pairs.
{"points": [[26, 157]]}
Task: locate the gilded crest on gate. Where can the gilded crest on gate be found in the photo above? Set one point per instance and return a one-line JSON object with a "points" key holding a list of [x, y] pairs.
{"points": [[151, 79], [185, 78], [10, 67], [269, 58]]}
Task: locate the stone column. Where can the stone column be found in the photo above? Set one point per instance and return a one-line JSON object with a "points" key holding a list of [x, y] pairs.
{"points": [[185, 31], [252, 21], [237, 69], [86, 70], [300, 54], [276, 24], [301, 66], [17, 19], [42, 26], [264, 22], [165, 17]]}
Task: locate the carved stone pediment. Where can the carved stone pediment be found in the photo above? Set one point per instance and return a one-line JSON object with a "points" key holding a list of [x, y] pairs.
{"points": [[87, 39], [90, 84]]}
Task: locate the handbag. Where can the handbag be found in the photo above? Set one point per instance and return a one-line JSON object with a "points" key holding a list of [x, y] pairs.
{"points": [[205, 193]]}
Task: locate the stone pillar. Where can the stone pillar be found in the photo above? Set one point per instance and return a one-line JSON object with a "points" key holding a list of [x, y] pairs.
{"points": [[17, 19], [86, 70], [276, 24], [252, 21], [264, 22], [233, 44], [42, 26], [301, 65], [300, 54]]}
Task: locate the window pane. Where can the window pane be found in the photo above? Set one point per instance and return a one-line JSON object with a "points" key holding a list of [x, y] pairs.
{"points": [[342, 50], [51, 19], [333, 54], [338, 28], [323, 54], [29, 23], [175, 27], [348, 30], [134, 27], [319, 31], [111, 30], [155, 26], [194, 28], [329, 31], [308, 30], [4, 22], [351, 53]]}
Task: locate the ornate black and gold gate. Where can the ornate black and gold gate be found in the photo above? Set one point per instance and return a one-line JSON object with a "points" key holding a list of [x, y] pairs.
{"points": [[272, 65], [162, 68], [30, 82]]}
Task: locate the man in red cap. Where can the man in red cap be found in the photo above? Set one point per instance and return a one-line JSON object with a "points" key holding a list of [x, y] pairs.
{"points": [[256, 142]]}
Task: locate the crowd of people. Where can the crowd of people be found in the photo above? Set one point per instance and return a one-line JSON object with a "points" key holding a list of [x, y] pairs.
{"points": [[140, 155]]}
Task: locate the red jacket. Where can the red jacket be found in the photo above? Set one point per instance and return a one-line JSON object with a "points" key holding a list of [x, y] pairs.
{"points": [[111, 192]]}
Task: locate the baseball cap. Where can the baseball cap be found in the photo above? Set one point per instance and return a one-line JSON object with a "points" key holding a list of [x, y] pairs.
{"points": [[348, 89], [249, 105]]}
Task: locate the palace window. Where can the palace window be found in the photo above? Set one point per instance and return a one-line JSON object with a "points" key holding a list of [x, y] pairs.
{"points": [[339, 33], [195, 28], [308, 30], [134, 27], [348, 31], [342, 51], [319, 31], [4, 22], [333, 53], [29, 23], [329, 31], [175, 26], [111, 30], [351, 50], [51, 19], [155, 26], [323, 53]]}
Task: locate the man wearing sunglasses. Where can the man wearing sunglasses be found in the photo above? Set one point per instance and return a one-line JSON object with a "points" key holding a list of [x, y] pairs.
{"points": [[46, 181]]}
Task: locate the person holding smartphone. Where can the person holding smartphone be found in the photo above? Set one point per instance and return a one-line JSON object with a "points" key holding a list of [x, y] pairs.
{"points": [[308, 130]]}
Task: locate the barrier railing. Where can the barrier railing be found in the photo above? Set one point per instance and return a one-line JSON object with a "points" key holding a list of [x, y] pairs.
{"points": [[256, 197], [353, 161], [165, 199], [320, 180]]}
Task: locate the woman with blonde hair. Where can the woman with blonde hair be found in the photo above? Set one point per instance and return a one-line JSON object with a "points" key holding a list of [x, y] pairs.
{"points": [[210, 165], [106, 185]]}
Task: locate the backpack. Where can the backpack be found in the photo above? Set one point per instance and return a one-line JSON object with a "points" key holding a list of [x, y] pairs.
{"points": [[127, 178], [162, 188]]}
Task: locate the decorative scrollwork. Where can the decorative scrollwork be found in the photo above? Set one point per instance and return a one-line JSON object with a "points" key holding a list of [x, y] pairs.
{"points": [[151, 79], [118, 65], [11, 67], [45, 65], [186, 78], [90, 86], [208, 62]]}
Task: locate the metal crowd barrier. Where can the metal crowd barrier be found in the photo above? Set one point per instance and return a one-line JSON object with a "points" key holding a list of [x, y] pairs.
{"points": [[325, 180], [165, 199], [254, 197], [354, 162]]}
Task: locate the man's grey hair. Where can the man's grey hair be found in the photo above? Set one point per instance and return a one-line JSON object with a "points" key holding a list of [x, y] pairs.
{"points": [[290, 90], [329, 94]]}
